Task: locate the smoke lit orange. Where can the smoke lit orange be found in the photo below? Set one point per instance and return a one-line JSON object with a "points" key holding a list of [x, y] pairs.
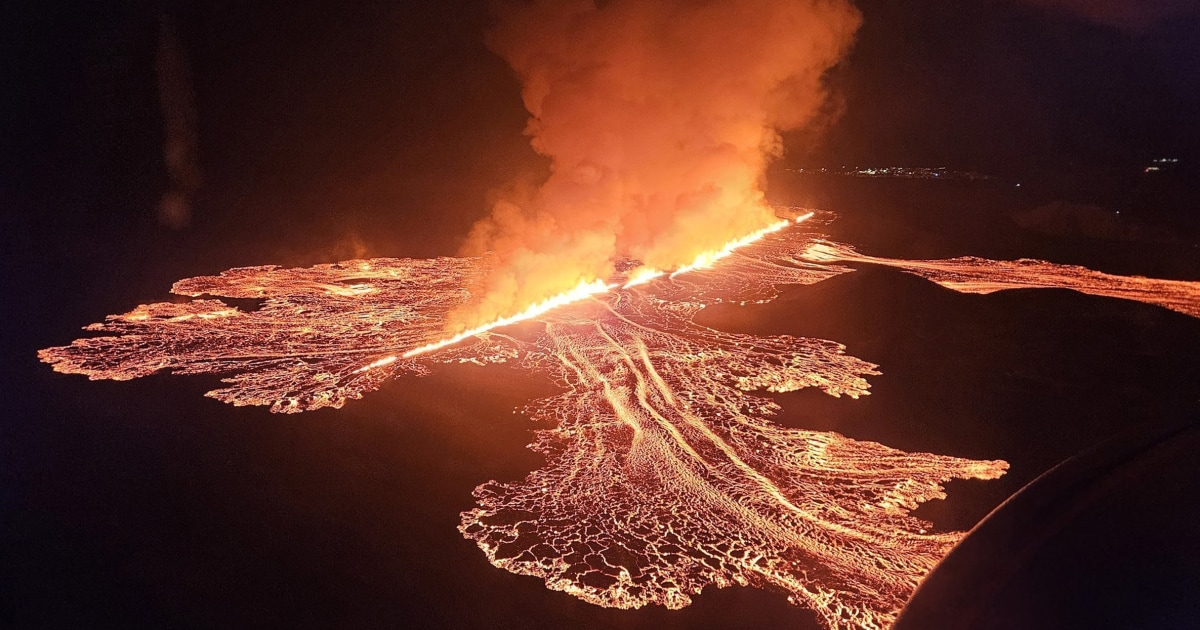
{"points": [[658, 120]]}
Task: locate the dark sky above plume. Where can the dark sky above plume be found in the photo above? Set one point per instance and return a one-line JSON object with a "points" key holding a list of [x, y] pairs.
{"points": [[1132, 15], [1018, 87], [364, 124]]}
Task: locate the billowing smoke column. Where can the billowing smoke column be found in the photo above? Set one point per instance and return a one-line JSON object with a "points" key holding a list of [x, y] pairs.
{"points": [[659, 119]]}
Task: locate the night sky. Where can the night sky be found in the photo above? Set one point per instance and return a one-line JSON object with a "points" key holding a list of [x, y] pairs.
{"points": [[336, 130]]}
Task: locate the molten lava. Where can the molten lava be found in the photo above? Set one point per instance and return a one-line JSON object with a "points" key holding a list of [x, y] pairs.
{"points": [[664, 473], [969, 274], [586, 289], [707, 259], [582, 291]]}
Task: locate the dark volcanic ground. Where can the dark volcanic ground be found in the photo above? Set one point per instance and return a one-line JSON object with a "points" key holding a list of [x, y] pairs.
{"points": [[143, 504]]}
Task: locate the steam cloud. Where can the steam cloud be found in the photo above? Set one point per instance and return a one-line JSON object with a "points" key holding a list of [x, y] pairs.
{"points": [[659, 119]]}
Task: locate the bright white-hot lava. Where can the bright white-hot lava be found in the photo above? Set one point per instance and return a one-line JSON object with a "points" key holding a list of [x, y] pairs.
{"points": [[664, 473], [586, 289], [582, 291], [642, 275], [378, 363], [708, 259]]}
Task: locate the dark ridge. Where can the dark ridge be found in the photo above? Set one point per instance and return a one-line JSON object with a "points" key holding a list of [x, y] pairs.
{"points": [[1106, 539]]}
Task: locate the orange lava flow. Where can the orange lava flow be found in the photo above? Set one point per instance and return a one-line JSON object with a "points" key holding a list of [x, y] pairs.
{"points": [[586, 289], [979, 275], [664, 473], [581, 291], [705, 260]]}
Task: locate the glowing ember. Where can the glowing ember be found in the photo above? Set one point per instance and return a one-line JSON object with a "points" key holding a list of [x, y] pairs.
{"points": [[664, 473]]}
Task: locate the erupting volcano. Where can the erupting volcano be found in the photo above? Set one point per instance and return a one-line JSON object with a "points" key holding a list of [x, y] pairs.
{"points": [[664, 472]]}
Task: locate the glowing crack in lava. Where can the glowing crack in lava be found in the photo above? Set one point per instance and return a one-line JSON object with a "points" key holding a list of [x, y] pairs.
{"points": [[664, 473]]}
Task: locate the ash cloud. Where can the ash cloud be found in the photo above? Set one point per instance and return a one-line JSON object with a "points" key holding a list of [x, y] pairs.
{"points": [[659, 119]]}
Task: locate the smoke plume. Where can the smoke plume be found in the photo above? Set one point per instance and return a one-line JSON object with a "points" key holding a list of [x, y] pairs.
{"points": [[659, 119]]}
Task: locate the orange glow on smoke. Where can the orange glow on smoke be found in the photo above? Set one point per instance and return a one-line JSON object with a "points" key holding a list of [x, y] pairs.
{"points": [[659, 120]]}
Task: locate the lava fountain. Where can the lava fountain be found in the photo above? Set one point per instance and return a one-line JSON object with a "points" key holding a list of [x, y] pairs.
{"points": [[664, 473]]}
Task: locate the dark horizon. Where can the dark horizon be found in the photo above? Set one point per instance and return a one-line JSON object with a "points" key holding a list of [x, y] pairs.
{"points": [[357, 118]]}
